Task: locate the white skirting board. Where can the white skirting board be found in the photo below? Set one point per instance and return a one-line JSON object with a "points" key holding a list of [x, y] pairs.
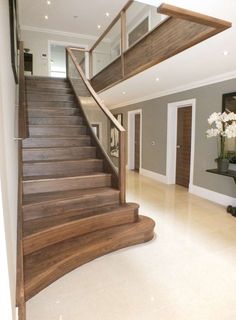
{"points": [[212, 195], [216, 197], [153, 175]]}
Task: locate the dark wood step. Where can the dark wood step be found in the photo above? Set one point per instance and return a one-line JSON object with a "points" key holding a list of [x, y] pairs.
{"points": [[62, 90], [46, 79], [51, 104], [62, 153], [41, 233], [40, 185], [63, 120], [39, 97], [57, 130], [51, 112], [81, 141], [68, 203], [59, 168], [47, 265]]}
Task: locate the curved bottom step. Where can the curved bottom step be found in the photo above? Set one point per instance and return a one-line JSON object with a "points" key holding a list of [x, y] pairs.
{"points": [[49, 264]]}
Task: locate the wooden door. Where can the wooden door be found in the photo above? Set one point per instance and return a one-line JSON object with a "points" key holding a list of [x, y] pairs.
{"points": [[137, 143], [183, 147]]}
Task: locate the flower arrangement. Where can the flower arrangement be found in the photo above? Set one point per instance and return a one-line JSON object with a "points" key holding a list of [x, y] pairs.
{"points": [[223, 125]]}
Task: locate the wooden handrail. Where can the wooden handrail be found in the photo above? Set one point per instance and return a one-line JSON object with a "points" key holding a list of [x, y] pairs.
{"points": [[23, 128], [94, 94], [193, 16]]}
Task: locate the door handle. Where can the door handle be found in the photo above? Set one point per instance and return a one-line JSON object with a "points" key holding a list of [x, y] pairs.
{"points": [[178, 147]]}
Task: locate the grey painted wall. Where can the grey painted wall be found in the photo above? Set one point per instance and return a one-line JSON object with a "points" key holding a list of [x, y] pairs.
{"points": [[154, 127]]}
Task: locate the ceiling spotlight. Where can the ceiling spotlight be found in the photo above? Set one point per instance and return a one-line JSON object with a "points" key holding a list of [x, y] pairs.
{"points": [[107, 14], [157, 79], [226, 53], [46, 17], [99, 26], [123, 92], [49, 2]]}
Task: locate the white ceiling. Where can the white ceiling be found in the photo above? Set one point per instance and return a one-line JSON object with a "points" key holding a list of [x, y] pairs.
{"points": [[200, 64], [91, 13]]}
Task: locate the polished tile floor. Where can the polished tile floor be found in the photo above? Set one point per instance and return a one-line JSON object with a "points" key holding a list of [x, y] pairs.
{"points": [[188, 272]]}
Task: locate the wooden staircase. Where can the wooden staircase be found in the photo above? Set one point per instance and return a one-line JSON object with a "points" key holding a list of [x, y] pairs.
{"points": [[71, 210]]}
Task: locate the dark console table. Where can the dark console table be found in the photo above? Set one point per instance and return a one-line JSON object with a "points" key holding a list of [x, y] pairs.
{"points": [[229, 173]]}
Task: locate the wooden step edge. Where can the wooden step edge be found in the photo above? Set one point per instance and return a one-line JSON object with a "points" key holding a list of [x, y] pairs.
{"points": [[102, 242], [65, 178], [62, 196], [124, 215], [57, 126], [58, 148], [91, 160]]}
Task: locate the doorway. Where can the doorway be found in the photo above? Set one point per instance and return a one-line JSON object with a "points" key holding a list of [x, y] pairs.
{"points": [[176, 154], [183, 146], [134, 139]]}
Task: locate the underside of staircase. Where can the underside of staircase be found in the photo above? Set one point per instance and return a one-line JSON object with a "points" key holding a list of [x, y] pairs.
{"points": [[72, 212]]}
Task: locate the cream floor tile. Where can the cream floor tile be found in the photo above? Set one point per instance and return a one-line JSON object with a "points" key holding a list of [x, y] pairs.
{"points": [[186, 273]]}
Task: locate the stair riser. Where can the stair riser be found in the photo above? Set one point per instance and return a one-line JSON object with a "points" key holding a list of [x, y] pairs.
{"points": [[63, 142], [37, 90], [77, 228], [59, 153], [46, 121], [50, 97], [57, 131], [62, 184], [47, 85], [34, 112], [70, 168], [51, 104], [80, 206]]}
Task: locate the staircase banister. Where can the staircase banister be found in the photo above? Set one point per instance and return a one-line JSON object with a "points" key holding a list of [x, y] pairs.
{"points": [[94, 94], [23, 131]]}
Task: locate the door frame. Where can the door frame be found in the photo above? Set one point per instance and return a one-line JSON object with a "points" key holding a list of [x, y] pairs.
{"points": [[172, 139], [68, 44], [131, 138]]}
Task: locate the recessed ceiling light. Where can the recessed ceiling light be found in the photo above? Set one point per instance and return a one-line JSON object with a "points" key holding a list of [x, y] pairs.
{"points": [[123, 92], [99, 26], [46, 17], [49, 2], [107, 14], [157, 79], [226, 53], [75, 17]]}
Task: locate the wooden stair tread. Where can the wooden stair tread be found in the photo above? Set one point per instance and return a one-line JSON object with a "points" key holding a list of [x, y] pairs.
{"points": [[59, 148], [47, 265], [63, 177], [34, 226], [57, 125], [64, 161], [32, 199]]}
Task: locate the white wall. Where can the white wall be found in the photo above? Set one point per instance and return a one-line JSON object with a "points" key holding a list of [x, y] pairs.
{"points": [[8, 163], [38, 43]]}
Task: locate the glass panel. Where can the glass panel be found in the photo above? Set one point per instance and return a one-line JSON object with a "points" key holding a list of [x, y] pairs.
{"points": [[108, 49], [107, 135], [141, 18]]}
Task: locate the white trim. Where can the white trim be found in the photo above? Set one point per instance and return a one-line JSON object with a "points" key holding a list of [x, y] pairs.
{"points": [[197, 84], [67, 44], [212, 195], [5, 292], [172, 138], [131, 137], [61, 33], [153, 175]]}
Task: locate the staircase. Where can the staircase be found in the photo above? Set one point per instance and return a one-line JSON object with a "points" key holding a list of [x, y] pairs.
{"points": [[72, 212]]}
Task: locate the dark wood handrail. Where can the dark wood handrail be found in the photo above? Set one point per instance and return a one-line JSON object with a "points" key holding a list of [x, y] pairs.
{"points": [[23, 127], [113, 120]]}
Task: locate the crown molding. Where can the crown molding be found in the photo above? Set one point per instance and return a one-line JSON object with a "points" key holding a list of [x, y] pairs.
{"points": [[197, 84], [61, 33]]}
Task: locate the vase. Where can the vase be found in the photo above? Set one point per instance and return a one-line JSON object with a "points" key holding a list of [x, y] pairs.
{"points": [[223, 165]]}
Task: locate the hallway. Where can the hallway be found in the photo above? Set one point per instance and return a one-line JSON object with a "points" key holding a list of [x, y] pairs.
{"points": [[186, 273]]}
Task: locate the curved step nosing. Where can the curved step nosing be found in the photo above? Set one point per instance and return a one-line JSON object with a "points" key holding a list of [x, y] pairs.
{"points": [[77, 259]]}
